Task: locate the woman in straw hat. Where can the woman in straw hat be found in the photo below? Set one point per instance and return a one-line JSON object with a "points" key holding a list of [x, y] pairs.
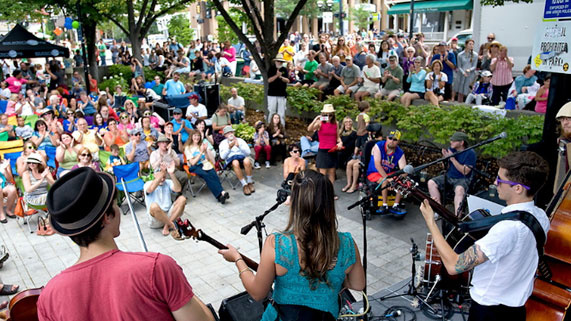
{"points": [[329, 141]]}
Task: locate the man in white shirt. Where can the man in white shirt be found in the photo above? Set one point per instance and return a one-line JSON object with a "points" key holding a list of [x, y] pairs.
{"points": [[505, 260], [236, 106], [235, 152], [371, 76], [196, 111]]}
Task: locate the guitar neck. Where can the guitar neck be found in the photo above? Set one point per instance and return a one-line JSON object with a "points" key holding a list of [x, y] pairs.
{"points": [[439, 208], [249, 262]]}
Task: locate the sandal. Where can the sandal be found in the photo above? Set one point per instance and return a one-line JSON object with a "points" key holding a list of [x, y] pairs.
{"points": [[344, 189], [176, 235], [8, 289], [351, 191], [11, 215]]}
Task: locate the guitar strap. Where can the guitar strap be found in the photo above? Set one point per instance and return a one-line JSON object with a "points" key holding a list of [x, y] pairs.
{"points": [[527, 219]]}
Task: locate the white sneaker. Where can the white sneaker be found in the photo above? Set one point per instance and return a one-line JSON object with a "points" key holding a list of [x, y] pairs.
{"points": [[267, 164], [257, 165]]}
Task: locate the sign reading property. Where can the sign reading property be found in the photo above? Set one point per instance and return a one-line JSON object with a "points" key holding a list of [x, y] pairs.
{"points": [[556, 9], [551, 47]]}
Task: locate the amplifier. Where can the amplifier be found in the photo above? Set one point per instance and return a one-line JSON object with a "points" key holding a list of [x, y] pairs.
{"points": [[241, 307], [164, 110]]}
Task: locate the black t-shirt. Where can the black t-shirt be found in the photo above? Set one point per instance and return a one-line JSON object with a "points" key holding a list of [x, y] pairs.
{"points": [[277, 87]]}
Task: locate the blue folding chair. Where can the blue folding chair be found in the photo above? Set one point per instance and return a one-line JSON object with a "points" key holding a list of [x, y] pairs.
{"points": [[130, 174], [51, 153], [13, 157]]}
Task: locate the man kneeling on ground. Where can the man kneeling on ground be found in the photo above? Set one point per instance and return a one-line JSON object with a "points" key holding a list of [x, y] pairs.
{"points": [[162, 210]]}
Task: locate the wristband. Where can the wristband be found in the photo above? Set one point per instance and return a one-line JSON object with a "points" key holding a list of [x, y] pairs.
{"points": [[238, 259], [244, 270]]}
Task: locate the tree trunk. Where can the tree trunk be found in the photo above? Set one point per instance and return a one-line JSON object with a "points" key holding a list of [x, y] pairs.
{"points": [[90, 29]]}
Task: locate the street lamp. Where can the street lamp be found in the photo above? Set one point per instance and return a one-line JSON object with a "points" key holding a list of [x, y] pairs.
{"points": [[325, 7]]}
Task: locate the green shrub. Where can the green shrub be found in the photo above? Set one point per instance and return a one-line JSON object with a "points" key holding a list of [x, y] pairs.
{"points": [[121, 71], [112, 82], [244, 131], [303, 99], [150, 74]]}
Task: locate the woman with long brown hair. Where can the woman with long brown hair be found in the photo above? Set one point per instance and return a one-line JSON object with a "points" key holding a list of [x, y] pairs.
{"points": [[309, 262]]}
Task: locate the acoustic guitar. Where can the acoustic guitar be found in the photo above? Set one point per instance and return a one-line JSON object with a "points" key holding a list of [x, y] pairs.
{"points": [[23, 306]]}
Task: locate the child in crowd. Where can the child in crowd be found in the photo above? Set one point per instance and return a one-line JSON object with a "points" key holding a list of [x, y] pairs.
{"points": [[363, 120], [114, 159], [262, 142], [40, 76], [5, 93], [542, 95], [482, 89], [11, 107], [23, 130]]}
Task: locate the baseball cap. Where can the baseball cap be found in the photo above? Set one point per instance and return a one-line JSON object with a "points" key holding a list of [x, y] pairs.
{"points": [[395, 134], [177, 111], [459, 136]]}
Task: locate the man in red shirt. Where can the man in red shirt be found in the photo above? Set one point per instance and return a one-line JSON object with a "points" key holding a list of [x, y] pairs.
{"points": [[106, 281]]}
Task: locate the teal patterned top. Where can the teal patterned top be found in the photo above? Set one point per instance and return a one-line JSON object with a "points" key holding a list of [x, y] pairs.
{"points": [[293, 288]]}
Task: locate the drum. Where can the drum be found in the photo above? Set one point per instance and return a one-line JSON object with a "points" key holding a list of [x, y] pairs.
{"points": [[434, 267]]}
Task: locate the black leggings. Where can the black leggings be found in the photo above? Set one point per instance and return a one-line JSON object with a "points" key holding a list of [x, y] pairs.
{"points": [[500, 312]]}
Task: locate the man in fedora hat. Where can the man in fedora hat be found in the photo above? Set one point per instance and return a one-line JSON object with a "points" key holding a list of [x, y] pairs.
{"points": [[127, 285], [164, 154], [459, 171], [235, 152], [277, 85]]}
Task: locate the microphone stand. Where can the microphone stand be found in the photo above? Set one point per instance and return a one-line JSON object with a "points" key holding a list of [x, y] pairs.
{"points": [[258, 223], [135, 220]]}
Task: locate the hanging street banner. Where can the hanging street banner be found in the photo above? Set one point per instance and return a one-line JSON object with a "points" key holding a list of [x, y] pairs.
{"points": [[550, 51]]}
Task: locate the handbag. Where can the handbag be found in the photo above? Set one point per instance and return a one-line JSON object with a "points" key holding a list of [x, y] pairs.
{"points": [[19, 210]]}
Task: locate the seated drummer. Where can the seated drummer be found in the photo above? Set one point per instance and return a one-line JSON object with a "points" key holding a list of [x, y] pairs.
{"points": [[459, 171], [387, 157], [505, 260], [106, 281]]}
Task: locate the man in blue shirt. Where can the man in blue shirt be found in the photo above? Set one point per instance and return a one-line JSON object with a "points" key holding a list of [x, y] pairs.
{"points": [[181, 126], [387, 157], [448, 59], [173, 86], [459, 171]]}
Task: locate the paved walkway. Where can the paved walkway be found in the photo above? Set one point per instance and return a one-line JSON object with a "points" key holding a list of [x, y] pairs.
{"points": [[34, 260]]}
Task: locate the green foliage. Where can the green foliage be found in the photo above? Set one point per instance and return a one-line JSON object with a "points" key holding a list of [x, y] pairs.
{"points": [[121, 71], [112, 82], [303, 99], [252, 93], [360, 17], [150, 74], [244, 131], [179, 27], [284, 8], [344, 106], [225, 33], [438, 124]]}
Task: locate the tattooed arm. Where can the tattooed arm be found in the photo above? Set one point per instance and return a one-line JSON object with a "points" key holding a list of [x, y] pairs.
{"points": [[454, 263]]}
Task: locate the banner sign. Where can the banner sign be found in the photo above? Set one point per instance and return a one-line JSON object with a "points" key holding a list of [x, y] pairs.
{"points": [[550, 51], [556, 9]]}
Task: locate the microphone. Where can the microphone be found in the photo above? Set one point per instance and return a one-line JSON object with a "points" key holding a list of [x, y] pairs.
{"points": [[500, 136]]}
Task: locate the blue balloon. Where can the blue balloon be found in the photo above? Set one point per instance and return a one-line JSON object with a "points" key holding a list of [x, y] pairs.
{"points": [[149, 85], [68, 23]]}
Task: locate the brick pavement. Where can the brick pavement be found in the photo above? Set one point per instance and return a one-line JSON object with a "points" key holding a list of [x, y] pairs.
{"points": [[34, 260]]}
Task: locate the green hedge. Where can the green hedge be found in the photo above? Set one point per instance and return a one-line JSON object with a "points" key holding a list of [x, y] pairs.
{"points": [[416, 122], [121, 74]]}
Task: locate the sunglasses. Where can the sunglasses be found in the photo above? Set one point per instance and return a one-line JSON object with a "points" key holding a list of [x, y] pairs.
{"points": [[491, 38], [124, 117], [147, 114], [177, 114], [137, 134], [85, 155], [31, 147], [295, 151], [510, 183], [393, 139]]}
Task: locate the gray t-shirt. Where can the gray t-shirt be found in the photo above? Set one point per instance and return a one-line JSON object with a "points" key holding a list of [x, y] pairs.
{"points": [[349, 74], [325, 69]]}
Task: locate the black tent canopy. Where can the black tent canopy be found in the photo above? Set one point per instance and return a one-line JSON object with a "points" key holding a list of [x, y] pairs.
{"points": [[20, 43]]}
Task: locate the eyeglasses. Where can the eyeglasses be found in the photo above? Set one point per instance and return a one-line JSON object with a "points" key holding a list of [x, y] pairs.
{"points": [[295, 151], [85, 155], [510, 183]]}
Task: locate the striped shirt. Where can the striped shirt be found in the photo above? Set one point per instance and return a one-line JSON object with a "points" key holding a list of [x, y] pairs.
{"points": [[503, 74]]}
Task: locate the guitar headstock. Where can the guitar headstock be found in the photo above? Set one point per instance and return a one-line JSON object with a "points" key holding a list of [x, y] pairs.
{"points": [[403, 185], [186, 229]]}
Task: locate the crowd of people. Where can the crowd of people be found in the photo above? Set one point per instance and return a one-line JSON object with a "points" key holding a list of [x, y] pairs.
{"points": [[88, 134]]}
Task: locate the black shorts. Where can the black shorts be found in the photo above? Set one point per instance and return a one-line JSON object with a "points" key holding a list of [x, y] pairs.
{"points": [[361, 140], [307, 82], [421, 95]]}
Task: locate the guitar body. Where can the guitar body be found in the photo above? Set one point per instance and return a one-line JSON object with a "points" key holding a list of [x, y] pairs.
{"points": [[23, 306]]}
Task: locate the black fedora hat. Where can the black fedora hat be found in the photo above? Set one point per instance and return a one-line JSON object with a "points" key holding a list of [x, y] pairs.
{"points": [[79, 199]]}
